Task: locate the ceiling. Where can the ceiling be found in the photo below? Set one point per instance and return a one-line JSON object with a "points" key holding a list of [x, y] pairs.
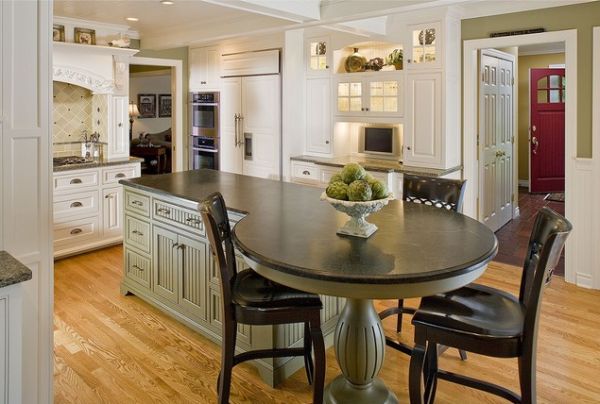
{"points": [[189, 22]]}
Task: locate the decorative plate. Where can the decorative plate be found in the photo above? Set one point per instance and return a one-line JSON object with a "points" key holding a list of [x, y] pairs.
{"points": [[355, 62], [427, 36]]}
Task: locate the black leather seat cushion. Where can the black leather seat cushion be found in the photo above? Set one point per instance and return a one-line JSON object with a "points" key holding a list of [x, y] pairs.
{"points": [[474, 309], [252, 290]]}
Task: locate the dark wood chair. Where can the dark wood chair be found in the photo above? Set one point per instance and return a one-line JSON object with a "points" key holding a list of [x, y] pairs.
{"points": [[438, 192], [249, 298], [489, 321]]}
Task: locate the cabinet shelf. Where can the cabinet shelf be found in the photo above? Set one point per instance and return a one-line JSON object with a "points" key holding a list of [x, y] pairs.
{"points": [[369, 50]]}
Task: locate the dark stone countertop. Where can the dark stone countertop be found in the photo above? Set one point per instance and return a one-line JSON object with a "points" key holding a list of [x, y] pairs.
{"points": [[376, 165], [290, 229], [97, 163], [12, 271]]}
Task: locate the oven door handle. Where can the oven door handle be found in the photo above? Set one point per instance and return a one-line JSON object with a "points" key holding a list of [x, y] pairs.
{"points": [[205, 150], [206, 104]]}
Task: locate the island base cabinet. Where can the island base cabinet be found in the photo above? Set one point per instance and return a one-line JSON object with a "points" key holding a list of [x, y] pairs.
{"points": [[171, 267]]}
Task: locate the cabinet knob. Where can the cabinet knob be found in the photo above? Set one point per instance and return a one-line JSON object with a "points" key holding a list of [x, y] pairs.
{"points": [[327, 66], [120, 124], [203, 82], [327, 142], [367, 109], [407, 147]]}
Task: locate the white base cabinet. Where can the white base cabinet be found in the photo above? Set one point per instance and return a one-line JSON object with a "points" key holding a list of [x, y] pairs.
{"points": [[11, 343], [88, 207]]}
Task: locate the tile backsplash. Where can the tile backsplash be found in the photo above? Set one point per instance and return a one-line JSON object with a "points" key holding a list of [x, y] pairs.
{"points": [[72, 112]]}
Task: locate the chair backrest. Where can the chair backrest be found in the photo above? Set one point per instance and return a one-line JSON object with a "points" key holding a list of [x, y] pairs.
{"points": [[548, 236], [218, 230], [438, 192]]}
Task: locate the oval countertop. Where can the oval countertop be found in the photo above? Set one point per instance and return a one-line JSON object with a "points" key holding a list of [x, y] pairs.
{"points": [[289, 228]]}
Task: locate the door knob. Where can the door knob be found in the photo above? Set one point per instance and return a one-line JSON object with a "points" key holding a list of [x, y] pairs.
{"points": [[533, 128], [536, 144]]}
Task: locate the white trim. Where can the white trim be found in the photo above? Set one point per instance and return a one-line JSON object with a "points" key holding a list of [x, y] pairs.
{"points": [[117, 28], [470, 86], [595, 268], [524, 183], [179, 142], [83, 78], [542, 52]]}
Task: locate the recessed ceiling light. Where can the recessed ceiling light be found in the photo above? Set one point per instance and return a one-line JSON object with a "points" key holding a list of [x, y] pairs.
{"points": [[167, 2], [132, 19]]}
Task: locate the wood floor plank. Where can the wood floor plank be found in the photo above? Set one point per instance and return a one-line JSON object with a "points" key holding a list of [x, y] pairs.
{"points": [[111, 348]]}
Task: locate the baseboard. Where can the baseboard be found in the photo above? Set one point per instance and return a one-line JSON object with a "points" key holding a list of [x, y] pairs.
{"points": [[524, 183]]}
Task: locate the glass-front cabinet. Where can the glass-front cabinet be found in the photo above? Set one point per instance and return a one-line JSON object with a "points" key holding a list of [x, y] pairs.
{"points": [[318, 55], [424, 49], [373, 94]]}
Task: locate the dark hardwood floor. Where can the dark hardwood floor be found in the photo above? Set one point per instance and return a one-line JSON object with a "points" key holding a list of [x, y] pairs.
{"points": [[513, 237]]}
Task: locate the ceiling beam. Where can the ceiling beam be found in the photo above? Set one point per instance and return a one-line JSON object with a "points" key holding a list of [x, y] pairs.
{"points": [[298, 11]]}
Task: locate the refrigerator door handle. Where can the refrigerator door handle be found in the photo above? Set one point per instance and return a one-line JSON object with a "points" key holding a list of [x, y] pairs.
{"points": [[241, 130], [236, 119]]}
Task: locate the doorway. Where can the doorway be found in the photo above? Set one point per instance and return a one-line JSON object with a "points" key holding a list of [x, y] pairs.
{"points": [[471, 159], [150, 117]]}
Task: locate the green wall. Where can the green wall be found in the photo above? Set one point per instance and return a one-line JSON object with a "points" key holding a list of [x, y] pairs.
{"points": [[582, 17], [181, 54]]}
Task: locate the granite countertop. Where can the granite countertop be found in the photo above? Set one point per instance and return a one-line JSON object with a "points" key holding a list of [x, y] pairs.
{"points": [[97, 163], [376, 165], [12, 271], [288, 227]]}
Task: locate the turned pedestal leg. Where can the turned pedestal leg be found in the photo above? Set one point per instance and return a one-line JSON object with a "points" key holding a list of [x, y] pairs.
{"points": [[360, 351]]}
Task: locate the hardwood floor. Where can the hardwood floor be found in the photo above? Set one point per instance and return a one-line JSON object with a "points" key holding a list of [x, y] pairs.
{"points": [[115, 349], [514, 236]]}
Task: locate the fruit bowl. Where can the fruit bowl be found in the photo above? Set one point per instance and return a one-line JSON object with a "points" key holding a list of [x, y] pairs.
{"points": [[357, 226]]}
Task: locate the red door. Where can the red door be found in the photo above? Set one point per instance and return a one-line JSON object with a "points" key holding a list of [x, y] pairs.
{"points": [[547, 130]]}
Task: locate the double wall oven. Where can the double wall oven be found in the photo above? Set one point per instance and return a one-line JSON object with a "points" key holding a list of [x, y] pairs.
{"points": [[204, 126]]}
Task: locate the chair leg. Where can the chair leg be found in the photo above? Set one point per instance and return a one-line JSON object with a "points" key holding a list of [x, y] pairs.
{"points": [[399, 319], [319, 348], [463, 354], [308, 361], [430, 372], [415, 373], [227, 354], [527, 378]]}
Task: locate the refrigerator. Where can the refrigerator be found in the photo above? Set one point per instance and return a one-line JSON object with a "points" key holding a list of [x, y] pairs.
{"points": [[251, 125]]}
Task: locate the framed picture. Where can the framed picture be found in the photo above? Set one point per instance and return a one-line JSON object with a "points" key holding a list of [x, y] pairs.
{"points": [[85, 36], [164, 105], [147, 105], [58, 33]]}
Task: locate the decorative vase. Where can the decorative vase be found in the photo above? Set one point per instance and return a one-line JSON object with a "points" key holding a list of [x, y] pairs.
{"points": [[399, 65], [355, 62], [357, 226]]}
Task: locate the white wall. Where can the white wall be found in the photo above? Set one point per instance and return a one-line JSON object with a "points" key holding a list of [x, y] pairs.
{"points": [[149, 84]]}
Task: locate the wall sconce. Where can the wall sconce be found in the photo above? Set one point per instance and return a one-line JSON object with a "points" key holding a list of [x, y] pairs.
{"points": [[133, 111]]}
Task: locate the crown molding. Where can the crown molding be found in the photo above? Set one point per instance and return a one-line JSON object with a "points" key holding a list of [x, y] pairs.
{"points": [[116, 28]]}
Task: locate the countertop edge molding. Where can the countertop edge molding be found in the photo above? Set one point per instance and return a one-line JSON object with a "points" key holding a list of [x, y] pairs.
{"points": [[12, 271]]}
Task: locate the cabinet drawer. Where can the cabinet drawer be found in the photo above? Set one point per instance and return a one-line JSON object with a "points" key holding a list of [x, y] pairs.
{"points": [[137, 267], [75, 231], [137, 233], [74, 181], [180, 217], [137, 203], [305, 172], [113, 175], [327, 173], [83, 203]]}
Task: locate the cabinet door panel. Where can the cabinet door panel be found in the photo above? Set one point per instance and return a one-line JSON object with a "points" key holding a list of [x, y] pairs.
{"points": [[192, 276], [112, 211], [231, 105], [164, 280], [318, 115], [118, 141], [423, 137]]}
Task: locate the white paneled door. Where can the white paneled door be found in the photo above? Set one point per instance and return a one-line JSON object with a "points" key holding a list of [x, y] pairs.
{"points": [[261, 105], [496, 139], [231, 107]]}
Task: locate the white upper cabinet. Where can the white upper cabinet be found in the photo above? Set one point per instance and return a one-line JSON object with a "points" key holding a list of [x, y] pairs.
{"points": [[378, 94], [318, 55], [424, 50], [318, 115], [204, 69], [118, 131]]}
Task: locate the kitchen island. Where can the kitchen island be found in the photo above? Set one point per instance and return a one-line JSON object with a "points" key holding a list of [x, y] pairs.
{"points": [[167, 261]]}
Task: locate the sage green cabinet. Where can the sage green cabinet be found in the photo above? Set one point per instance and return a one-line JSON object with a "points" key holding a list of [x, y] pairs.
{"points": [[164, 279]]}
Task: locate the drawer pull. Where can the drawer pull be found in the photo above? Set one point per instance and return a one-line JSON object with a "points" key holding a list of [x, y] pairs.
{"points": [[163, 210], [76, 204], [120, 175], [76, 181], [76, 231], [138, 268], [139, 233], [109, 196], [137, 203], [193, 220], [306, 172]]}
